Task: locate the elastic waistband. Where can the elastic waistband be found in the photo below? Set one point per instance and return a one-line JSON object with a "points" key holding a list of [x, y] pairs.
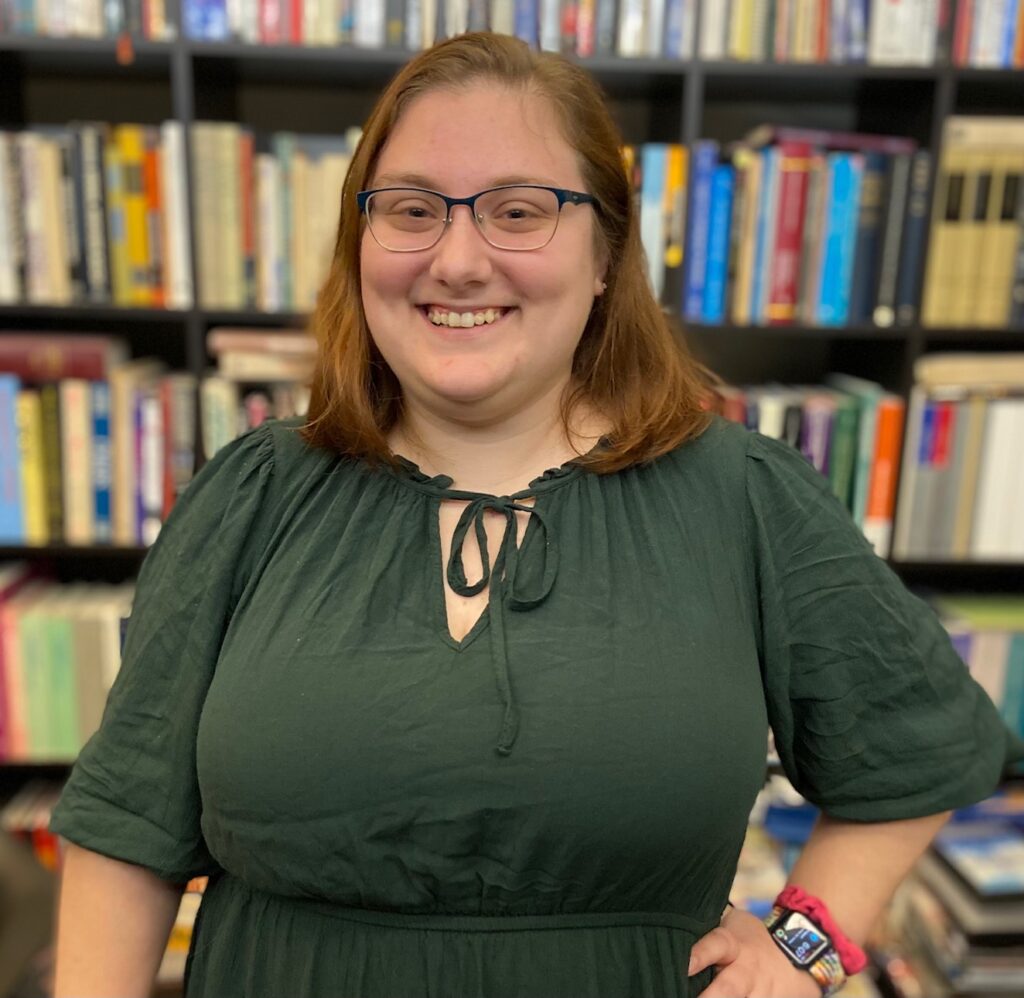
{"points": [[431, 922]]}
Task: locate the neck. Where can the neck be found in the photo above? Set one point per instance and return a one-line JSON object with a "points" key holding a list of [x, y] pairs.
{"points": [[499, 456]]}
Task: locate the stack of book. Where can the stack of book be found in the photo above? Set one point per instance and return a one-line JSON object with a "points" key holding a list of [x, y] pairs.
{"points": [[802, 226], [60, 650], [584, 28], [962, 484], [154, 20], [261, 374], [95, 447], [962, 912], [976, 260], [989, 34], [95, 213], [988, 633], [881, 32], [849, 429]]}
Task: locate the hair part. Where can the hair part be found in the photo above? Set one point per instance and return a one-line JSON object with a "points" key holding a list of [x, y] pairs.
{"points": [[629, 365]]}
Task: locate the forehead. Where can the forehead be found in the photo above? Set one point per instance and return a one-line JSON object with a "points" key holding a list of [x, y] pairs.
{"points": [[468, 139]]}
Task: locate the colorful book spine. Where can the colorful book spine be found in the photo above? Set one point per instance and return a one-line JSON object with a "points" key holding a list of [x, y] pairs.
{"points": [[705, 157], [102, 481], [12, 524], [783, 281], [720, 222]]}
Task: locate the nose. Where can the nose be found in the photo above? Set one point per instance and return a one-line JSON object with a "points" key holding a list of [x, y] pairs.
{"points": [[462, 256]]}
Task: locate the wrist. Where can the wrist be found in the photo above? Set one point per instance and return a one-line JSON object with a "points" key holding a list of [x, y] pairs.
{"points": [[852, 957]]}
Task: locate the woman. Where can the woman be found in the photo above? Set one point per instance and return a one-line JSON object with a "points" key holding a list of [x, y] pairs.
{"points": [[440, 722]]}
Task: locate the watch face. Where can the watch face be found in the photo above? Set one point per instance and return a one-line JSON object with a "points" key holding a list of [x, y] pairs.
{"points": [[800, 938]]}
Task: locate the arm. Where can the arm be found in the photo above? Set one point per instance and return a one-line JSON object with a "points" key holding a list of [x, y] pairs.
{"points": [[113, 923], [853, 867]]}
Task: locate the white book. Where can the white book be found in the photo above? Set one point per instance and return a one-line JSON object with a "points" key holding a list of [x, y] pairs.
{"points": [[908, 474], [993, 510], [927, 31], [368, 29], [413, 24], [76, 460], [219, 413], [655, 25], [455, 16], [311, 21], [988, 655], [233, 9], [250, 22], [151, 472], [987, 37], [550, 25], [503, 16], [713, 28], [178, 279], [632, 39], [266, 234], [429, 22], [8, 267], [1016, 460], [36, 262]]}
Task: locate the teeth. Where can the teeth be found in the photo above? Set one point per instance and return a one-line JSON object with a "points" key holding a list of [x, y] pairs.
{"points": [[464, 319]]}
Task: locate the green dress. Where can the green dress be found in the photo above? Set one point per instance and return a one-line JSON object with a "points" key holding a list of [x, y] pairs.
{"points": [[550, 808]]}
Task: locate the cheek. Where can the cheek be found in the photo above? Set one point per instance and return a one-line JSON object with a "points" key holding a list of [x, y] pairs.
{"points": [[385, 277]]}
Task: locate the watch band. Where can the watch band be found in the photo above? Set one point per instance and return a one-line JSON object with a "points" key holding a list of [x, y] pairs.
{"points": [[827, 968], [852, 957]]}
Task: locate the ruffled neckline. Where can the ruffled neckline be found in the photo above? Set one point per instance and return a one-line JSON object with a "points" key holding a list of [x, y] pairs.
{"points": [[409, 472]]}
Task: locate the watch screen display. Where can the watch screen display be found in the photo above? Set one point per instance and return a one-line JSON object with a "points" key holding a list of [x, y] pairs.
{"points": [[800, 938]]}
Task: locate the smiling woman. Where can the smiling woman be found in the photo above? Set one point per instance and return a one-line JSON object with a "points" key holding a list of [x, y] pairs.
{"points": [[463, 687]]}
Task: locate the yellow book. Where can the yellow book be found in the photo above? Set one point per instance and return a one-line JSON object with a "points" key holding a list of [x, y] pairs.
{"points": [[947, 213], [29, 415], [300, 261], [675, 222], [965, 275], [130, 141], [997, 258], [741, 30]]}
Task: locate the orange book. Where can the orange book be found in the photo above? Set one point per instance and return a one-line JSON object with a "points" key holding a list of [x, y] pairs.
{"points": [[1018, 48], [881, 500]]}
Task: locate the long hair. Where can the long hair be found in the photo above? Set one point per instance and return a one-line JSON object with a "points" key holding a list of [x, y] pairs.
{"points": [[629, 365]]}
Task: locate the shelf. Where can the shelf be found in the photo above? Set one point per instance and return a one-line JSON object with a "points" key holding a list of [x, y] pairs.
{"points": [[947, 575], [253, 317], [802, 332], [92, 313], [82, 552], [1004, 337], [818, 71], [88, 54]]}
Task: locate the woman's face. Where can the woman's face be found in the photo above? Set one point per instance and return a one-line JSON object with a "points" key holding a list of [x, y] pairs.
{"points": [[458, 143]]}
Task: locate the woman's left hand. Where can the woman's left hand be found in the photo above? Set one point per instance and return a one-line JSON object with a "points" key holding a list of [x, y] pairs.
{"points": [[747, 963]]}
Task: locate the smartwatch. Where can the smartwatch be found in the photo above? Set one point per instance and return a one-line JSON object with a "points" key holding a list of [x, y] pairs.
{"points": [[808, 947]]}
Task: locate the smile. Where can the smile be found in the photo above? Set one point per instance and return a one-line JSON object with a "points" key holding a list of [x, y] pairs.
{"points": [[478, 317]]}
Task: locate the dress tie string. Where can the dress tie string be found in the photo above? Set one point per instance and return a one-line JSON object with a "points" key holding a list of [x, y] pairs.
{"points": [[501, 580]]}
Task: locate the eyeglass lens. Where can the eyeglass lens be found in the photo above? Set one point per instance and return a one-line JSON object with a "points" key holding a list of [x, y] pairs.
{"points": [[519, 218]]}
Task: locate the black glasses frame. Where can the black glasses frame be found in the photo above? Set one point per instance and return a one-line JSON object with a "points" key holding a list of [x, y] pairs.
{"points": [[564, 197]]}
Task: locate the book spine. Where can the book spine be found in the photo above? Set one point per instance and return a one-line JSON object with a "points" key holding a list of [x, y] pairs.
{"points": [[604, 41], [29, 419], [76, 452], [151, 465], [722, 184], [793, 167], [867, 247], [153, 184], [246, 182], [654, 163], [767, 227], [527, 21], [49, 398], [12, 522], [101, 466], [96, 254], [768, 186], [674, 29], [878, 515], [1009, 33], [962, 31], [74, 214], [1016, 320], [884, 311], [912, 250], [857, 32], [705, 156]]}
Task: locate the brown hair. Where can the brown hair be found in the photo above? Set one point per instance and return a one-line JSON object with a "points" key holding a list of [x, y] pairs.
{"points": [[629, 365]]}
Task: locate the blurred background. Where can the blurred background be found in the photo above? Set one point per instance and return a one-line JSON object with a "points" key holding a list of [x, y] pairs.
{"points": [[831, 197]]}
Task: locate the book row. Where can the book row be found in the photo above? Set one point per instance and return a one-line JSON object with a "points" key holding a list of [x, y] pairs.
{"points": [[154, 20], [60, 650], [975, 271], [96, 214], [97, 448], [850, 429], [962, 483], [795, 225], [984, 33]]}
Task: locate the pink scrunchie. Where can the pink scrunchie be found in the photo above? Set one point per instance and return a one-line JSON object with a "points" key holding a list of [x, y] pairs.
{"points": [[852, 957]]}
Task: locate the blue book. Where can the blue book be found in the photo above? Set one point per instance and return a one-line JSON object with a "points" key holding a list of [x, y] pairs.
{"points": [[839, 238], [705, 158], [1009, 33], [722, 183], [526, 23], [857, 34], [912, 249], [769, 186], [101, 466], [675, 11], [12, 523]]}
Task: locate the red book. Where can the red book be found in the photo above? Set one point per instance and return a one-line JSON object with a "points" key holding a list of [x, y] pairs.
{"points": [[586, 28], [247, 183], [962, 33], [295, 19], [784, 279], [270, 21], [154, 217], [943, 438], [40, 357], [824, 18]]}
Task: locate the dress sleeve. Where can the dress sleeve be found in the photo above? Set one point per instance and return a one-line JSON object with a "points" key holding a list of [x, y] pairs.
{"points": [[133, 795], [875, 716]]}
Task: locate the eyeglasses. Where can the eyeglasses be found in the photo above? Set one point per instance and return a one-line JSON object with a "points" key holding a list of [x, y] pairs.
{"points": [[523, 217]]}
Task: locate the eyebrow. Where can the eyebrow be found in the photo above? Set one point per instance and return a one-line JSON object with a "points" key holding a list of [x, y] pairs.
{"points": [[419, 180]]}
